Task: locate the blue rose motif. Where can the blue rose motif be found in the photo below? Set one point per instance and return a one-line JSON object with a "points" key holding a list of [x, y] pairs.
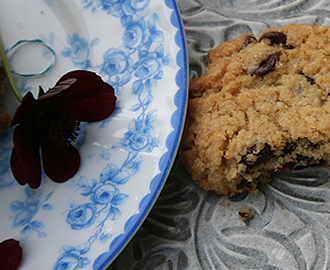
{"points": [[4, 167], [113, 174], [71, 259], [79, 51], [107, 194], [26, 210], [116, 61], [125, 8], [26, 214], [135, 34], [147, 67], [67, 261], [139, 139], [6, 181], [81, 216], [114, 7], [104, 193], [139, 4], [109, 2]]}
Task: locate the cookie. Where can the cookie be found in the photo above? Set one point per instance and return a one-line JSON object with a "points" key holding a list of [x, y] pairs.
{"points": [[262, 106]]}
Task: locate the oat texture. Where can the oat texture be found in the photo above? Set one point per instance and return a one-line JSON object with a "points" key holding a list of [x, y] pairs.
{"points": [[262, 106]]}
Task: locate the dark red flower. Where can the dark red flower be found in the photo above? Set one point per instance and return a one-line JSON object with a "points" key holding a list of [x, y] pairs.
{"points": [[51, 122], [10, 254]]}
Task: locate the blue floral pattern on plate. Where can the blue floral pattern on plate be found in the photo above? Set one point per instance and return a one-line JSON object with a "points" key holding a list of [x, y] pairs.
{"points": [[148, 70], [24, 212]]}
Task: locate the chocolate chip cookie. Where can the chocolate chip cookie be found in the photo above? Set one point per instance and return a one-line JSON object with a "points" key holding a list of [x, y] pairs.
{"points": [[262, 106]]}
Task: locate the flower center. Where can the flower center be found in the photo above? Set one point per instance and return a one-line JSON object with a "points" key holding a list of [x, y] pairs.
{"points": [[64, 130], [61, 128]]}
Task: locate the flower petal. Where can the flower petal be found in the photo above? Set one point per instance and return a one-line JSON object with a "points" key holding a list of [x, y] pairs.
{"points": [[93, 108], [71, 86], [25, 156], [83, 94], [10, 254], [25, 110], [60, 163]]}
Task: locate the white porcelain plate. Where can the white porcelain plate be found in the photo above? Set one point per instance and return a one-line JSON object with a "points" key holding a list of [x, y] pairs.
{"points": [[138, 47]]}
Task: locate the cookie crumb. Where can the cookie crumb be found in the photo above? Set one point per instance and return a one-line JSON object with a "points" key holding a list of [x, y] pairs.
{"points": [[245, 213]]}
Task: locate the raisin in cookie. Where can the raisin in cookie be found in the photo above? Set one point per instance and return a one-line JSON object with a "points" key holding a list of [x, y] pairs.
{"points": [[262, 106]]}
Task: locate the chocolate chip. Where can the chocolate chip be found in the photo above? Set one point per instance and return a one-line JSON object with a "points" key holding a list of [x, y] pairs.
{"points": [[310, 80], [249, 40], [274, 37], [267, 66], [290, 165], [300, 158], [245, 213], [244, 184], [252, 150], [263, 156], [289, 147]]}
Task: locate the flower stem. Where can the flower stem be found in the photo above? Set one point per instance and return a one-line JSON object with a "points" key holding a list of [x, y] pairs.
{"points": [[9, 75]]}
